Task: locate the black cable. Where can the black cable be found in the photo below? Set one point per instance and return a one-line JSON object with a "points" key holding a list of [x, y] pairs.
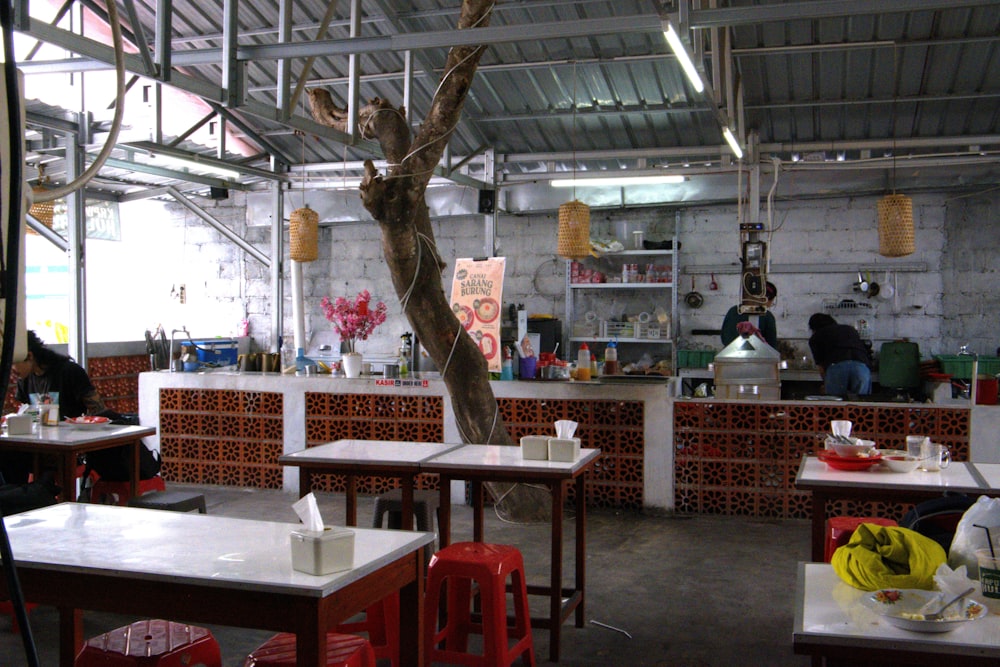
{"points": [[10, 287]]}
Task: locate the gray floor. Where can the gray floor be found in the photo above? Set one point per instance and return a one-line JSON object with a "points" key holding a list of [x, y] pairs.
{"points": [[689, 592]]}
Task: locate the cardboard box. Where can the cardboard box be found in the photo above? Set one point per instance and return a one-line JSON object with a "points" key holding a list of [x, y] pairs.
{"points": [[324, 552]]}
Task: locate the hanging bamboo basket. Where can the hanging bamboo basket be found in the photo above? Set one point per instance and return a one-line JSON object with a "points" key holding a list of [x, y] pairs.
{"points": [[43, 212], [574, 230], [303, 234], [895, 226]]}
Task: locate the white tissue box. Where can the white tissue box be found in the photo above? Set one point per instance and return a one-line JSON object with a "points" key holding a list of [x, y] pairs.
{"points": [[19, 424], [315, 552], [564, 449], [535, 447]]}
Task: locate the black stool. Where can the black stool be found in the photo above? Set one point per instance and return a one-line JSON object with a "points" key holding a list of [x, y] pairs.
{"points": [[175, 501], [424, 504]]}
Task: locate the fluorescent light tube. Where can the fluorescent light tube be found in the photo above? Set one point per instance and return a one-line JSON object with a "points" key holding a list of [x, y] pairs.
{"points": [[730, 138], [614, 180], [191, 165], [682, 55]]}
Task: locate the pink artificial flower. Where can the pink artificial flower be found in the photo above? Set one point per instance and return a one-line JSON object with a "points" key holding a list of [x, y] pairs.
{"points": [[354, 321]]}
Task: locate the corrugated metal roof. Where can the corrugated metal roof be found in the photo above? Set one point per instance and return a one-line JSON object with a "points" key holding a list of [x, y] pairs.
{"points": [[592, 83]]}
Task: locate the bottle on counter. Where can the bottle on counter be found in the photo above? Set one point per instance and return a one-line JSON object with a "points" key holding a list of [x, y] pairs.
{"points": [[611, 359], [507, 366], [583, 363]]}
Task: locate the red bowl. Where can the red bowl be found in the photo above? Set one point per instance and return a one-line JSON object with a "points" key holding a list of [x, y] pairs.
{"points": [[847, 463]]}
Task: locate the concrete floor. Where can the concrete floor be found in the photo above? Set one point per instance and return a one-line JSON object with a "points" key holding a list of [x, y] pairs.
{"points": [[701, 591]]}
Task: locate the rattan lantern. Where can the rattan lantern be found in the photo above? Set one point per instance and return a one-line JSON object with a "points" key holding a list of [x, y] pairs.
{"points": [[303, 234], [574, 230], [895, 226]]}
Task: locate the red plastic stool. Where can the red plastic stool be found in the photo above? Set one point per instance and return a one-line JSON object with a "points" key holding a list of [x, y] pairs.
{"points": [[341, 651], [381, 624], [7, 607], [151, 643], [489, 565], [840, 528], [119, 491]]}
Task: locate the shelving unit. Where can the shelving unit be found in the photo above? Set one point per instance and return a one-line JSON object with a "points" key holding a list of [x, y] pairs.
{"points": [[611, 263]]}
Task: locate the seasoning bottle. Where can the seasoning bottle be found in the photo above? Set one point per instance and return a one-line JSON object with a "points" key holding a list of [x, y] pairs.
{"points": [[611, 359], [583, 363]]}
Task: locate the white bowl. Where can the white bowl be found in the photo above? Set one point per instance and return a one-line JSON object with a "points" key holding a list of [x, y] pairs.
{"points": [[901, 462], [859, 448]]}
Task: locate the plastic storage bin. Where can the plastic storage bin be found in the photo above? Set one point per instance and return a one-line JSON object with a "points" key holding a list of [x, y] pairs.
{"points": [[960, 366], [217, 351]]}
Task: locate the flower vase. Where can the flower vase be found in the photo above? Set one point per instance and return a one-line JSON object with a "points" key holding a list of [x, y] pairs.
{"points": [[351, 363]]}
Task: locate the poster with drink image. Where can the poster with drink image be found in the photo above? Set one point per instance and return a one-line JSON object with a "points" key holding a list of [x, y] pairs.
{"points": [[476, 295]]}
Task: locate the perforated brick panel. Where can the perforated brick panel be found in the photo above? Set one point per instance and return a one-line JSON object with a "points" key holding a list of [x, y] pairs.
{"points": [[614, 427], [222, 436], [741, 458], [332, 417]]}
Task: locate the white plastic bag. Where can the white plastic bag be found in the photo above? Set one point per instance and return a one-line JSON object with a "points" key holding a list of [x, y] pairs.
{"points": [[969, 537]]}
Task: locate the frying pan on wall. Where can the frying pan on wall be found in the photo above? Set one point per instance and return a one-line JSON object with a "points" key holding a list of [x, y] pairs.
{"points": [[694, 299]]}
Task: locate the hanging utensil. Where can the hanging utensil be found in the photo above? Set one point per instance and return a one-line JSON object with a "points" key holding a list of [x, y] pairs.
{"points": [[693, 299], [713, 285]]}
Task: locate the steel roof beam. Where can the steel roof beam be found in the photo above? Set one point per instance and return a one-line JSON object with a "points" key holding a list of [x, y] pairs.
{"points": [[723, 17]]}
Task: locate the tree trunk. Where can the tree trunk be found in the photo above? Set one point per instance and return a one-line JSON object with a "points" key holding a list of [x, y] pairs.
{"points": [[397, 201]]}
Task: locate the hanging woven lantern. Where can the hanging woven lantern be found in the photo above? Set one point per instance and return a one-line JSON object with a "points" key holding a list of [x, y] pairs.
{"points": [[574, 230], [895, 226], [43, 212], [303, 234]]}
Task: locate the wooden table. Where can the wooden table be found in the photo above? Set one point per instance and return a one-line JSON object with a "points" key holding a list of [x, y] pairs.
{"points": [[67, 441], [490, 463], [207, 569], [878, 483], [365, 457], [830, 622]]}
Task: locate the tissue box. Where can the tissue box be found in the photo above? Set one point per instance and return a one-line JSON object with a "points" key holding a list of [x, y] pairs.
{"points": [[324, 552], [564, 449], [535, 447], [19, 424]]}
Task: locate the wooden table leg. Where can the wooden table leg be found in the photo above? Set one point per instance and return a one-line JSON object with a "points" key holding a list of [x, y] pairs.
{"points": [[66, 475], [444, 511], [305, 481], [581, 547], [477, 510], [818, 525], [352, 500], [310, 646], [555, 599], [135, 476], [70, 635], [407, 505], [411, 621]]}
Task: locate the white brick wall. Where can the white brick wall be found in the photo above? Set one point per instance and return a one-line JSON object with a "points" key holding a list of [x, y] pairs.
{"points": [[954, 302]]}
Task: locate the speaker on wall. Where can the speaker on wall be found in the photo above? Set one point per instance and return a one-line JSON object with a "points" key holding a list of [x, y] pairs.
{"points": [[487, 200], [219, 193]]}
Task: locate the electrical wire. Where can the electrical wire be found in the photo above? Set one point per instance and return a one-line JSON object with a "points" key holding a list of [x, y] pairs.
{"points": [[116, 123]]}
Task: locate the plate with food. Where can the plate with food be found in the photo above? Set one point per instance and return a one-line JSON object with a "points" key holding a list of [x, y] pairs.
{"points": [[487, 309], [907, 608], [847, 462], [88, 420]]}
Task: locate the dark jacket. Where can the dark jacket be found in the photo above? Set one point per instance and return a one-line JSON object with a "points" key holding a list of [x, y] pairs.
{"points": [[838, 342]]}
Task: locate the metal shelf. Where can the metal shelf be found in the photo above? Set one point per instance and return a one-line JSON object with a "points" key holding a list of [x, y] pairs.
{"points": [[621, 285], [608, 339]]}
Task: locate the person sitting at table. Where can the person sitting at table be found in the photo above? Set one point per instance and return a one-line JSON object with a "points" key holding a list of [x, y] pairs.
{"points": [[48, 377]]}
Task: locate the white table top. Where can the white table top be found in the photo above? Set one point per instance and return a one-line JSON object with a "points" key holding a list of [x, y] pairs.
{"points": [[186, 548], [829, 612], [75, 434], [956, 477], [361, 452], [491, 457], [990, 472]]}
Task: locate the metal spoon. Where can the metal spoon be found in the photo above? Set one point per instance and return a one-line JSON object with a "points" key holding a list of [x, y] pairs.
{"points": [[937, 616]]}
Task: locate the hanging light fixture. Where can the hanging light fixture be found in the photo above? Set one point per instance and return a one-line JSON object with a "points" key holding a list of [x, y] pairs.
{"points": [[895, 211], [303, 225], [573, 240], [43, 212]]}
